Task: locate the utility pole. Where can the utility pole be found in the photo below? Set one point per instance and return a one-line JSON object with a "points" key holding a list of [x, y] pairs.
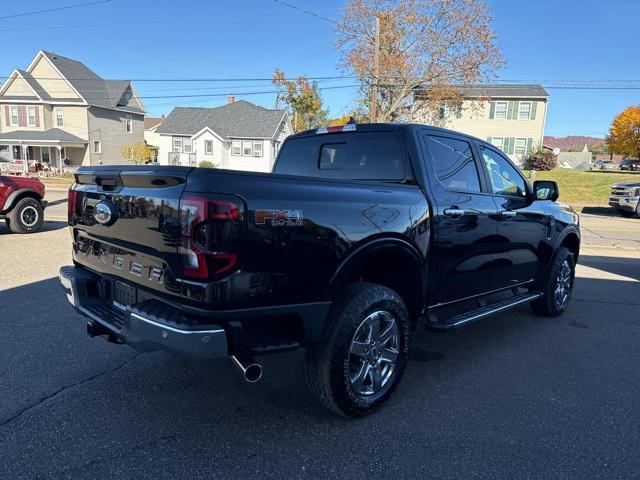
{"points": [[376, 73]]}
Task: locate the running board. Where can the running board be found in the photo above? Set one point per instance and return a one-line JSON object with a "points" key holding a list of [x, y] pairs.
{"points": [[466, 318]]}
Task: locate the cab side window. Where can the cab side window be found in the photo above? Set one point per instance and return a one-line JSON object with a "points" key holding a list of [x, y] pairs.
{"points": [[505, 179], [453, 162]]}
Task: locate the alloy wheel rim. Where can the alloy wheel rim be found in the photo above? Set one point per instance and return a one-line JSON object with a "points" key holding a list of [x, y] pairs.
{"points": [[563, 285], [29, 216], [373, 353]]}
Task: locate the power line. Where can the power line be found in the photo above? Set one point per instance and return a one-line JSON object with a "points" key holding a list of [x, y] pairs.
{"points": [[308, 12], [246, 79], [35, 12]]}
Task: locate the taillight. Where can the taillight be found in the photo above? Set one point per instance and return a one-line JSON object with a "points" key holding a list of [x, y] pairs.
{"points": [[209, 230], [72, 200]]}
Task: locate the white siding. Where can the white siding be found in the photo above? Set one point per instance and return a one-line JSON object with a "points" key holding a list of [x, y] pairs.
{"points": [[218, 154], [164, 147], [251, 164]]}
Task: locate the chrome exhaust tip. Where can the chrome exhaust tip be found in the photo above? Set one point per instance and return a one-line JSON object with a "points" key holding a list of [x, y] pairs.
{"points": [[251, 370]]}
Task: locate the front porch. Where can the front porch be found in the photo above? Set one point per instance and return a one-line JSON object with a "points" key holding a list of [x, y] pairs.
{"points": [[55, 151]]}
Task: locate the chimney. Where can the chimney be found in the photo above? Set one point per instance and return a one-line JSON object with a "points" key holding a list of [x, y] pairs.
{"points": [[230, 99]]}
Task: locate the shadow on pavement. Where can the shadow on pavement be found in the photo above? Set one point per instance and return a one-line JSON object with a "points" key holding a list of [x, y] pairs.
{"points": [[47, 226], [57, 202], [624, 266], [509, 383], [603, 211]]}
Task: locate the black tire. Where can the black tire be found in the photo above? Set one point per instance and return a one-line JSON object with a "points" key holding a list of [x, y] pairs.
{"points": [[626, 213], [549, 305], [26, 216], [330, 365]]}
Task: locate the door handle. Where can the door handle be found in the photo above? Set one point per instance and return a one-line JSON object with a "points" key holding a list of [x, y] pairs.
{"points": [[508, 214], [453, 212]]}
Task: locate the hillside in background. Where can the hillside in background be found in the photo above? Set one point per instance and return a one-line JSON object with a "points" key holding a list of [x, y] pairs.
{"points": [[572, 142]]}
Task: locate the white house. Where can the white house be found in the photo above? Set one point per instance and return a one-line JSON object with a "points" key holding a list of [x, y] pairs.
{"points": [[236, 136]]}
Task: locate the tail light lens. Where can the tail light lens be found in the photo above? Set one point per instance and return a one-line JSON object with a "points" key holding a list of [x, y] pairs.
{"points": [[72, 200], [209, 231]]}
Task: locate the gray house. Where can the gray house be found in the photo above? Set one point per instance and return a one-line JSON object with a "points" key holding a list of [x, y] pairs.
{"points": [[236, 136], [59, 109]]}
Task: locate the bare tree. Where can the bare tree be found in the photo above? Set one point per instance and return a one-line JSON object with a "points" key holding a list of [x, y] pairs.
{"points": [[428, 48]]}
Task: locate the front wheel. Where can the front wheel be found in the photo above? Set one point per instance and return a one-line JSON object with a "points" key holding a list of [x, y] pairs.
{"points": [[26, 216], [557, 286], [364, 352]]}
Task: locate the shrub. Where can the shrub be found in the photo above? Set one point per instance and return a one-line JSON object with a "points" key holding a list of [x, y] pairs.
{"points": [[540, 159], [206, 164]]}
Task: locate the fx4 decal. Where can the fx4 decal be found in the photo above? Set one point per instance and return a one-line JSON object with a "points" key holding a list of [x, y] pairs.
{"points": [[279, 218]]}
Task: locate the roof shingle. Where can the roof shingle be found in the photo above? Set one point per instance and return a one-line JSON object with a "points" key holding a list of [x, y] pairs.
{"points": [[240, 119]]}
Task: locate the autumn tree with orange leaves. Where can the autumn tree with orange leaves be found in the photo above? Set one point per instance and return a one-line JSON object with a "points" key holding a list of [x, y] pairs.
{"points": [[302, 100], [624, 135], [428, 47]]}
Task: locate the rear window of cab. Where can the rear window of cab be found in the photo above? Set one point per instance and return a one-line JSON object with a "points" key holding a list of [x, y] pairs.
{"points": [[346, 156]]}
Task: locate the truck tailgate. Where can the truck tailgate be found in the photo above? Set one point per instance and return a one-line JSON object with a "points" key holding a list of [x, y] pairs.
{"points": [[125, 224]]}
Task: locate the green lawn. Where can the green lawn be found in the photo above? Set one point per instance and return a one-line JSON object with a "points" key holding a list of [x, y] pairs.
{"points": [[584, 188]]}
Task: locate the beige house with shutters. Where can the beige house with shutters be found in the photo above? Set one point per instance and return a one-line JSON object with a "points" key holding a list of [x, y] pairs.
{"points": [[60, 112], [512, 117]]}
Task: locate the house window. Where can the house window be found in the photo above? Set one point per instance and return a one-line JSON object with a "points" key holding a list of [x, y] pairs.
{"points": [[521, 146], [524, 111], [247, 148], [498, 142], [208, 147], [187, 146], [97, 147], [15, 116], [128, 124], [236, 148], [448, 110], [501, 110], [276, 148], [177, 145], [31, 116], [257, 149], [59, 111]]}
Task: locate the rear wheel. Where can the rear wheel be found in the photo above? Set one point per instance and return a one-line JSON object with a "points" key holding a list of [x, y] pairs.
{"points": [[363, 356], [26, 216], [557, 286]]}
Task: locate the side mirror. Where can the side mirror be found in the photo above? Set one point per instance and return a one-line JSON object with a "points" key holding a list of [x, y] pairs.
{"points": [[546, 190]]}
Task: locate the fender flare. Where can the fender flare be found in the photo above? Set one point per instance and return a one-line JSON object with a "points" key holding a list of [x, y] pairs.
{"points": [[564, 234], [370, 247], [16, 194]]}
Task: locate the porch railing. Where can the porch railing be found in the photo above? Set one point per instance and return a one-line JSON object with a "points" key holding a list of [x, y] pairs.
{"points": [[184, 159]]}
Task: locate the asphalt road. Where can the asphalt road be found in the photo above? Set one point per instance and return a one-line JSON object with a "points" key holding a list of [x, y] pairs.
{"points": [[516, 396]]}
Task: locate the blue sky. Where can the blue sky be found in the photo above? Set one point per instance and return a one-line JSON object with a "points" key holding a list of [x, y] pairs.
{"points": [[143, 39]]}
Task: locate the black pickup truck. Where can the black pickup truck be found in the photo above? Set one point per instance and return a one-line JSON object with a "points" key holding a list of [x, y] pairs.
{"points": [[361, 234]]}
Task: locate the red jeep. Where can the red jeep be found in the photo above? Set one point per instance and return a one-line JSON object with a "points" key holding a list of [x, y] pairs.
{"points": [[22, 203]]}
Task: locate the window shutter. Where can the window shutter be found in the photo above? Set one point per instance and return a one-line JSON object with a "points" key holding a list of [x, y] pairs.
{"points": [[529, 144], [534, 104], [7, 115], [512, 110], [22, 116], [510, 143], [37, 116], [492, 111]]}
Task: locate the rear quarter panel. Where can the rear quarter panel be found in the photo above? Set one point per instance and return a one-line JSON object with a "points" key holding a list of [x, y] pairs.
{"points": [[294, 263]]}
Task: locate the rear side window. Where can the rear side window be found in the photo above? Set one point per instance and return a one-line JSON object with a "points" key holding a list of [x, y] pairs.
{"points": [[350, 156], [453, 162]]}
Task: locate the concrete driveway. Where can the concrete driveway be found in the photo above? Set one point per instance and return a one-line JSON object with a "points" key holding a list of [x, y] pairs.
{"points": [[516, 396]]}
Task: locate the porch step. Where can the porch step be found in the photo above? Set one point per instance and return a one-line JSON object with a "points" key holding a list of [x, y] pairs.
{"points": [[459, 320]]}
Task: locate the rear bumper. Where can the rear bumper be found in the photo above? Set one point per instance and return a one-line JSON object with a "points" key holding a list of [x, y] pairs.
{"points": [[624, 202], [154, 325]]}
